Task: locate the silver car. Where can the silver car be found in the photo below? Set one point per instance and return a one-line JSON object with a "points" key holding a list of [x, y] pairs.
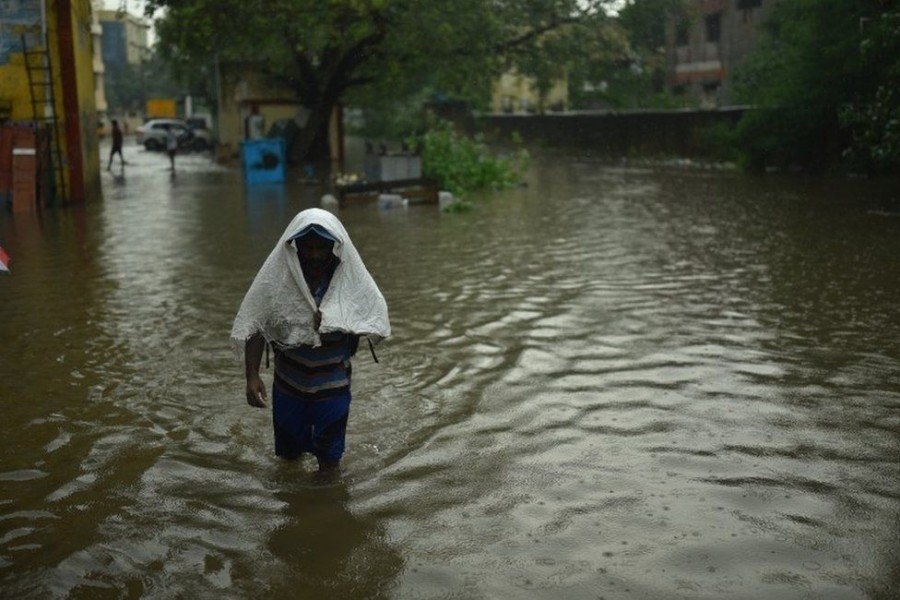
{"points": [[152, 135]]}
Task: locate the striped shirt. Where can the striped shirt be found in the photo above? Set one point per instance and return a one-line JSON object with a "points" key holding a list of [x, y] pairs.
{"points": [[317, 374], [322, 373]]}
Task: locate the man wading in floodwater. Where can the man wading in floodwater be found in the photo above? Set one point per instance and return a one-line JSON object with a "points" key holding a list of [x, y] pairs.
{"points": [[311, 301]]}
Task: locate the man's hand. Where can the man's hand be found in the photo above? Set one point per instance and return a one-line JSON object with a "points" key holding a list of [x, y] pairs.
{"points": [[256, 389], [256, 392]]}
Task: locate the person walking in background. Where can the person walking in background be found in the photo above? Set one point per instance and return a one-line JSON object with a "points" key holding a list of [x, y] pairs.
{"points": [[311, 301], [171, 145], [116, 145]]}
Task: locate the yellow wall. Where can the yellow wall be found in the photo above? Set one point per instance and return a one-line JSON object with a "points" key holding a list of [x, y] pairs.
{"points": [[517, 94], [14, 87], [241, 87], [87, 108]]}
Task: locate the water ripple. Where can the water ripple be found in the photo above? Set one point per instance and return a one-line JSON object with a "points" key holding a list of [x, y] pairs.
{"points": [[613, 382]]}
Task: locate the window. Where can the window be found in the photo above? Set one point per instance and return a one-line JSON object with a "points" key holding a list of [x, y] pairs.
{"points": [[714, 27]]}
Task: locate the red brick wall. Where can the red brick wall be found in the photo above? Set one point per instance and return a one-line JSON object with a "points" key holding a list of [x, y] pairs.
{"points": [[19, 166]]}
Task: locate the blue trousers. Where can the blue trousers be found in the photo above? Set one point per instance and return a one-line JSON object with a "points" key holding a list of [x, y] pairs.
{"points": [[303, 426]]}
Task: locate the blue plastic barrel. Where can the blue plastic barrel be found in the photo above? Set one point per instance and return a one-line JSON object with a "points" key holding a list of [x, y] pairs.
{"points": [[263, 160]]}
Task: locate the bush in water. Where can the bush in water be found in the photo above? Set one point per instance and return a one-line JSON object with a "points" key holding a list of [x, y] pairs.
{"points": [[462, 165]]}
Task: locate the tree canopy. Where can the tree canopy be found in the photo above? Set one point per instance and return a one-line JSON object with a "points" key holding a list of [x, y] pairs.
{"points": [[327, 51], [625, 64], [824, 78]]}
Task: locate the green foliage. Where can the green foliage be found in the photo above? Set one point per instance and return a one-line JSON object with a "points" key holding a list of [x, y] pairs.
{"points": [[603, 76], [875, 129], [124, 88], [462, 165], [390, 121], [624, 65], [363, 52], [129, 86], [393, 119], [458, 206], [720, 140], [873, 120], [821, 78], [632, 86], [645, 21]]}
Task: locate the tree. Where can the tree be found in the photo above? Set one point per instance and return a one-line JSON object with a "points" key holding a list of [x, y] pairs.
{"points": [[129, 86], [645, 21], [822, 80], [329, 50], [626, 69], [124, 87], [873, 120]]}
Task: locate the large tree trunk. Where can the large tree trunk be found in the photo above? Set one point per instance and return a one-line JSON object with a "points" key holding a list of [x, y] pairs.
{"points": [[322, 87], [312, 144]]}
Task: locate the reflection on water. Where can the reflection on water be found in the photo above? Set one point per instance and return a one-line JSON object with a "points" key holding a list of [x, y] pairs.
{"points": [[614, 382], [326, 550]]}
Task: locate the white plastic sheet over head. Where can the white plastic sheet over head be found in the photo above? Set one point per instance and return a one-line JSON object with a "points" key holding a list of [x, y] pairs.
{"points": [[280, 306]]}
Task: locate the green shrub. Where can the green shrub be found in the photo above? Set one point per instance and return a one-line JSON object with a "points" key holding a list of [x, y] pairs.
{"points": [[875, 130], [720, 141], [462, 165]]}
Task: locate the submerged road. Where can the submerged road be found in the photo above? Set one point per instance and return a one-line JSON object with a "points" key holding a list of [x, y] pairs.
{"points": [[614, 382]]}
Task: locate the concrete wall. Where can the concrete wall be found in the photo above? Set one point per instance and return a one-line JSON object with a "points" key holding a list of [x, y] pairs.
{"points": [[638, 133]]}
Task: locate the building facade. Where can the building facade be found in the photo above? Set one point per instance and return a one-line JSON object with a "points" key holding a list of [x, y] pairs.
{"points": [[703, 49], [124, 42], [47, 87], [514, 93], [125, 38], [247, 100]]}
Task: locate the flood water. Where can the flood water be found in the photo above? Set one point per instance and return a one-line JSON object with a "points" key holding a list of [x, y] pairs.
{"points": [[614, 382]]}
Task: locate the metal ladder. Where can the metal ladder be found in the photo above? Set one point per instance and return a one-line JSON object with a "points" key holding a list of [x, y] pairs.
{"points": [[40, 77]]}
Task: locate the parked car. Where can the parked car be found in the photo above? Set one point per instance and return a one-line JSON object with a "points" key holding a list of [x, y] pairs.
{"points": [[152, 135], [199, 122]]}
